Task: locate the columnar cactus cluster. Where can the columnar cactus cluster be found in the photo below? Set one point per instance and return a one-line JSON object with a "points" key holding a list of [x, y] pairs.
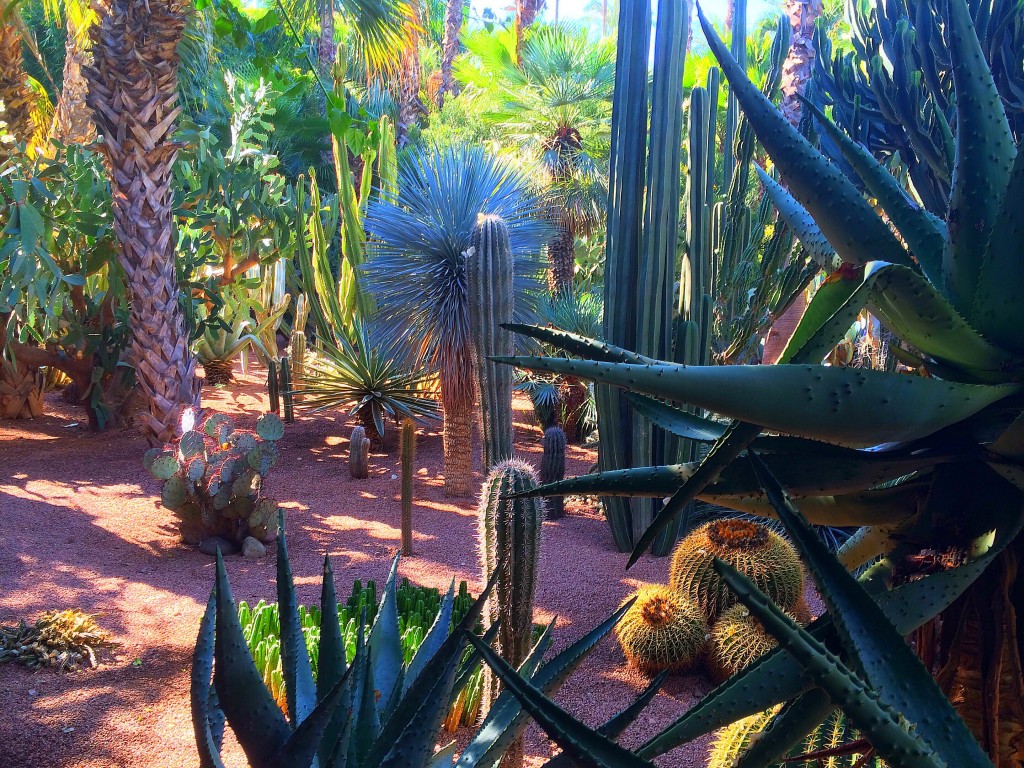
{"points": [[489, 270], [213, 478], [552, 467], [408, 452]]}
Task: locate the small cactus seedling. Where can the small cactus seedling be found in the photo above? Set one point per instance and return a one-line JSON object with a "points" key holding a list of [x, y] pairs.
{"points": [[552, 468], [213, 478], [761, 555], [359, 454], [661, 630], [408, 451]]}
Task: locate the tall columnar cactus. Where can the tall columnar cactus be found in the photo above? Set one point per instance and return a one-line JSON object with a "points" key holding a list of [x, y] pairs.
{"points": [[359, 454], [408, 450], [510, 545], [287, 390], [298, 341], [552, 467], [273, 387], [489, 271]]}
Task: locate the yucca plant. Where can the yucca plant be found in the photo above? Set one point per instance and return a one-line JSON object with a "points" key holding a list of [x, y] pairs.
{"points": [[376, 710], [416, 272], [367, 374], [929, 466]]}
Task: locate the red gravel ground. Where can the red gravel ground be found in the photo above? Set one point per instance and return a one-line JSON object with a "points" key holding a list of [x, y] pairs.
{"points": [[81, 527]]}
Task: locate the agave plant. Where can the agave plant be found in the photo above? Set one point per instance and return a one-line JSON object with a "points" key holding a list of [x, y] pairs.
{"points": [[417, 277], [928, 466], [222, 342], [376, 711], [369, 376]]}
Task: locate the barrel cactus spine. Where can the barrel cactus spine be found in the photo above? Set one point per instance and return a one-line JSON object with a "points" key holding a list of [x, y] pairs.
{"points": [[359, 454], [489, 271], [760, 554], [552, 467], [510, 537], [408, 452], [661, 630]]}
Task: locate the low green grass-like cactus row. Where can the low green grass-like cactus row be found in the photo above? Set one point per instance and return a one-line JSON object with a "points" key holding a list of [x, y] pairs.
{"points": [[213, 478]]}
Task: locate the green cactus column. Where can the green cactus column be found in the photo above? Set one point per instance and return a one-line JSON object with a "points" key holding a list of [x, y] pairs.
{"points": [[408, 451], [489, 270], [552, 467], [509, 535]]}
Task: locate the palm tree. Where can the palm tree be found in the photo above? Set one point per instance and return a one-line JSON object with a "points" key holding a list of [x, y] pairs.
{"points": [[72, 121], [416, 273], [526, 14], [18, 97], [454, 11], [133, 92], [796, 71], [555, 106]]}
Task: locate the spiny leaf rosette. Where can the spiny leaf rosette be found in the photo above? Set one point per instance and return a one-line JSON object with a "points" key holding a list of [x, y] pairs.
{"points": [[738, 639], [661, 630], [761, 555]]}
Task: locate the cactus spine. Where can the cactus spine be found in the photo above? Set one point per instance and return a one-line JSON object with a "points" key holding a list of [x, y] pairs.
{"points": [[510, 535], [359, 454], [552, 467], [298, 341], [489, 269], [408, 450]]}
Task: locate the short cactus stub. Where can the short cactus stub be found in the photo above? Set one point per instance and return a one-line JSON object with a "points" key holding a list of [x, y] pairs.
{"points": [[661, 631], [763, 556]]}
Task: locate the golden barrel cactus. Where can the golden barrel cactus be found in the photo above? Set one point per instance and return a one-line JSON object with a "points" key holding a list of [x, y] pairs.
{"points": [[737, 639], [661, 630], [763, 556]]}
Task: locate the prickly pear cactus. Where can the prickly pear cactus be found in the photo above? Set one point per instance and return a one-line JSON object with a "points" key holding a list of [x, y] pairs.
{"points": [[758, 553], [359, 454], [661, 630], [213, 478], [408, 451], [738, 639], [510, 535], [489, 270], [552, 467]]}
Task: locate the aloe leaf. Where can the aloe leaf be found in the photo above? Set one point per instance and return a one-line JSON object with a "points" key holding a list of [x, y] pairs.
{"points": [[797, 718], [305, 741], [999, 308], [676, 420], [444, 756], [801, 222], [828, 317], [367, 726], [469, 664], [385, 644], [869, 542], [592, 349], [331, 662], [897, 676], [300, 689], [585, 746], [985, 153], [844, 216], [924, 232], [201, 690], [849, 406], [884, 506], [880, 723], [433, 640], [257, 721]]}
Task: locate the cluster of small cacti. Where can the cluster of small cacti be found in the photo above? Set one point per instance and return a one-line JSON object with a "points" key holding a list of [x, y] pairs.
{"points": [[552, 467], [659, 630], [213, 478], [417, 609], [408, 456], [835, 743], [359, 454]]}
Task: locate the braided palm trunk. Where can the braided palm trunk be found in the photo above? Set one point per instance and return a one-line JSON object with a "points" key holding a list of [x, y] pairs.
{"points": [[134, 97], [72, 120], [14, 90]]}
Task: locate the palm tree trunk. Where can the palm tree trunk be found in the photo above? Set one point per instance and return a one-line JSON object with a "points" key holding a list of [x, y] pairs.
{"points": [[796, 70], [526, 14], [409, 105], [326, 51], [72, 121], [459, 402], [17, 97], [450, 49], [561, 260], [133, 92]]}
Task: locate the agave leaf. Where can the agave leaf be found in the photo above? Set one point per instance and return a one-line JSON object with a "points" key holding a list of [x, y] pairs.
{"points": [[432, 641], [592, 349], [257, 721], [585, 746], [797, 718], [848, 406], [829, 315], [675, 420], [385, 644], [869, 542], [844, 216], [887, 663], [302, 746], [882, 506], [924, 232], [444, 756], [299, 686], [331, 664], [882, 725], [367, 726], [999, 308], [202, 692], [469, 664], [801, 222], [985, 153]]}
